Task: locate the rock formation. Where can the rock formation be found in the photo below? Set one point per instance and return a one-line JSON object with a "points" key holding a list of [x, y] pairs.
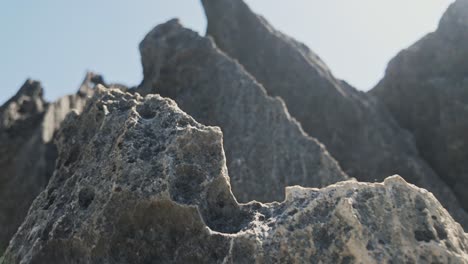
{"points": [[21, 176], [426, 90], [263, 143], [139, 181], [358, 132], [27, 151]]}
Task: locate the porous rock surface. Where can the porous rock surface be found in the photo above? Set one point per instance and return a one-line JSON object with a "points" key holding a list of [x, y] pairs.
{"points": [[139, 181], [360, 134], [266, 149], [426, 90], [27, 151]]}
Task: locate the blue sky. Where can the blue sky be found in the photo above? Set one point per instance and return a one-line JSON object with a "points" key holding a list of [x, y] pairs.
{"points": [[57, 41]]}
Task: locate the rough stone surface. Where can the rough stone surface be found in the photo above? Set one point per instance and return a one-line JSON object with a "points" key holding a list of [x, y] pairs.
{"points": [[266, 149], [426, 89], [27, 153], [366, 141], [139, 181], [21, 178]]}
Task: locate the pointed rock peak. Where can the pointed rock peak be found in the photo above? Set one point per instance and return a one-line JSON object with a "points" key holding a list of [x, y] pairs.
{"points": [[91, 79], [424, 87], [140, 181], [224, 8], [27, 103], [31, 88], [20, 119], [343, 118], [236, 28], [160, 34], [216, 90], [169, 28], [456, 15], [166, 38], [162, 29], [27, 128]]}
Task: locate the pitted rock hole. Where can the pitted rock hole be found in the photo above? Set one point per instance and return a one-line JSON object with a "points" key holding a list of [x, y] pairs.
{"points": [[146, 112], [85, 197]]}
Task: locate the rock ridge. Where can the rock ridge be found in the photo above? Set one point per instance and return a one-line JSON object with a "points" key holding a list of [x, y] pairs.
{"points": [[425, 89], [355, 127], [261, 141], [110, 202]]}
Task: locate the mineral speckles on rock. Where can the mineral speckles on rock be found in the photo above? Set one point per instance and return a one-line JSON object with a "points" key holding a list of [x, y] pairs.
{"points": [[27, 152], [137, 180], [111, 204], [125, 189], [21, 178], [357, 131], [363, 223], [266, 149]]}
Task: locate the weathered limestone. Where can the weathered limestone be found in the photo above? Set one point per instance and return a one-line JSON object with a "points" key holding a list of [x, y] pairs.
{"points": [[139, 181], [363, 137], [266, 149], [21, 177], [27, 153], [426, 89]]}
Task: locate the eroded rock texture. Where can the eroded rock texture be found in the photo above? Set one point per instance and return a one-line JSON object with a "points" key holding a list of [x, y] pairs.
{"points": [[27, 153], [266, 149], [139, 181], [426, 89], [361, 135], [21, 176]]}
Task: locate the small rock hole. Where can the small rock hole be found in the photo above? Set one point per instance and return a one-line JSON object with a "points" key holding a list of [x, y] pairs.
{"points": [[85, 197], [146, 112]]}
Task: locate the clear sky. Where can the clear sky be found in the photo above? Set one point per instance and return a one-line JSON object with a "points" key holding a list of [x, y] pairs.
{"points": [[57, 41]]}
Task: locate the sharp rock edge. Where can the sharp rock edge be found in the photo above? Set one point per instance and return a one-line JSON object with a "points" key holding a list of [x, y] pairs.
{"points": [[263, 143], [27, 151], [359, 132], [140, 181], [427, 93]]}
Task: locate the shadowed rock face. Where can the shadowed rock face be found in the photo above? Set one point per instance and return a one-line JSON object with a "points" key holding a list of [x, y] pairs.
{"points": [[27, 153], [360, 134], [21, 176], [139, 181], [131, 170], [426, 89], [266, 149]]}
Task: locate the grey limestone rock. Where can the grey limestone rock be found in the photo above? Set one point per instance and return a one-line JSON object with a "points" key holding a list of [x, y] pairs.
{"points": [[140, 181], [363, 137], [21, 176], [27, 152], [266, 149], [426, 90]]}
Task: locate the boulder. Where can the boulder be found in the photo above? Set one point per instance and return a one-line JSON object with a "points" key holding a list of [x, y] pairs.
{"points": [[140, 181]]}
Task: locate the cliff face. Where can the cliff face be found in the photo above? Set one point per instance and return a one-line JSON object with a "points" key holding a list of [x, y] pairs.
{"points": [[140, 181], [263, 144], [426, 90], [363, 137]]}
